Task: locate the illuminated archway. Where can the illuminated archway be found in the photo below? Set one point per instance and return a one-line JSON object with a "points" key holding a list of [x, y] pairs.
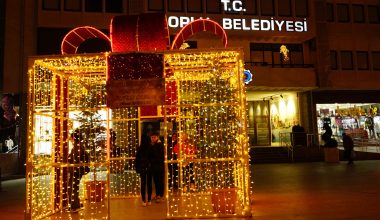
{"points": [[198, 26], [77, 36]]}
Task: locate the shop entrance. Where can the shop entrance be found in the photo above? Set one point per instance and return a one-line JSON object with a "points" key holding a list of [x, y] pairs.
{"points": [[271, 117], [360, 120], [260, 133]]}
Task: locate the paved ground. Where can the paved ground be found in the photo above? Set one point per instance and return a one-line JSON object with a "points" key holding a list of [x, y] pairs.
{"points": [[281, 191]]}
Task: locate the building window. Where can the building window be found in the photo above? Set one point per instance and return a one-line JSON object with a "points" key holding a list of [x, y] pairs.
{"points": [[194, 6], [93, 5], [54, 5], [295, 54], [213, 6], [251, 7], [330, 12], [156, 5], [284, 8], [114, 6], [376, 60], [267, 7], [301, 8], [374, 14], [333, 60], [73, 5], [362, 60], [47, 40], [343, 13], [256, 53], [358, 13], [175, 5], [346, 60], [263, 54]]}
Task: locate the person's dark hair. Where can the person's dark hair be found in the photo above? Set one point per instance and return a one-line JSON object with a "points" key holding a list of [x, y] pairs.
{"points": [[76, 135], [10, 98], [155, 133]]}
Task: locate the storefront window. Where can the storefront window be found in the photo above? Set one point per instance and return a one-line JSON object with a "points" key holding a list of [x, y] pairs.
{"points": [[271, 117], [360, 120], [283, 116]]}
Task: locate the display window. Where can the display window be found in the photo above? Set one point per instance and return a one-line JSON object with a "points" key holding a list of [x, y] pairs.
{"points": [[360, 120], [44, 124], [271, 117], [284, 115]]}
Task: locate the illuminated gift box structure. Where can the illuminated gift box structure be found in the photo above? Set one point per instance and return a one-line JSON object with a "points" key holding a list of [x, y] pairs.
{"points": [[200, 93]]}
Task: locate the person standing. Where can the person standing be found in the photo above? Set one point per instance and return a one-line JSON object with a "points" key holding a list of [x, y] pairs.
{"points": [[348, 145], [158, 167], [328, 132], [370, 126], [8, 121], [143, 166], [76, 158]]}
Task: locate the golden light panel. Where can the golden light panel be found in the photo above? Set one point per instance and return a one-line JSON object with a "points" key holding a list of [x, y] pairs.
{"points": [[67, 94]]}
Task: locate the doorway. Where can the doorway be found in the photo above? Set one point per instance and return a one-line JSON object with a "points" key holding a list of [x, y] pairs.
{"points": [[259, 123]]}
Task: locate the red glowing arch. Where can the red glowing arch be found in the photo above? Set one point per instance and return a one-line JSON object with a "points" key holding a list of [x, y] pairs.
{"points": [[77, 36], [198, 26]]}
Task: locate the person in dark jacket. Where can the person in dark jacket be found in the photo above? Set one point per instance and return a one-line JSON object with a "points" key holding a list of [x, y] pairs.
{"points": [[77, 156], [348, 145], [158, 167], [8, 121], [143, 166], [328, 132]]}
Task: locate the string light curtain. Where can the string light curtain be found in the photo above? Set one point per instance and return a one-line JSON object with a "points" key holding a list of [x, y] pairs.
{"points": [[67, 155], [210, 177]]}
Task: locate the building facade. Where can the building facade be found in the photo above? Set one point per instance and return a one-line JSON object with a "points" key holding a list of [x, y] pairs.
{"points": [[307, 57]]}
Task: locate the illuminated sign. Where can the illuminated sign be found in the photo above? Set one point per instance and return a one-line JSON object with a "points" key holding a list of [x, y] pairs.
{"points": [[247, 76], [244, 24]]}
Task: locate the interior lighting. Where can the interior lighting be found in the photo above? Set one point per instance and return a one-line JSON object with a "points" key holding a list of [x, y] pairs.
{"points": [[285, 53]]}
